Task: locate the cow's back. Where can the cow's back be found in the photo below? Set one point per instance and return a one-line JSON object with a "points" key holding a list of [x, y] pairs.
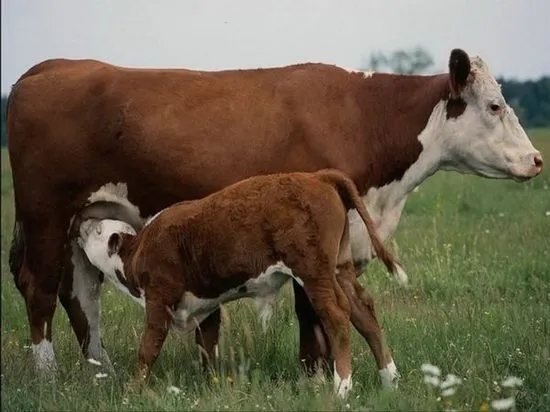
{"points": [[169, 134]]}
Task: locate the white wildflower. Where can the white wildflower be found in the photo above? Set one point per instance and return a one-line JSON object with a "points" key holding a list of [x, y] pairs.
{"points": [[101, 375], [512, 382], [431, 380], [501, 214], [429, 369], [448, 392], [547, 213], [94, 362], [503, 404], [173, 389], [450, 380]]}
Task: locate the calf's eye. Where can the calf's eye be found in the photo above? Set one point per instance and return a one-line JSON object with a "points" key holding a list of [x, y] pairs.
{"points": [[494, 107]]}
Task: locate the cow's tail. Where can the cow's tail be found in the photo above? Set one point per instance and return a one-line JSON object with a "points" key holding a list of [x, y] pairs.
{"points": [[351, 198]]}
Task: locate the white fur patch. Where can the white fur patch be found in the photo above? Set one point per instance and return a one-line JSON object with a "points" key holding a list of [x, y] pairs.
{"points": [[365, 73], [390, 376], [44, 357], [94, 237], [342, 386], [192, 310], [113, 192], [116, 193]]}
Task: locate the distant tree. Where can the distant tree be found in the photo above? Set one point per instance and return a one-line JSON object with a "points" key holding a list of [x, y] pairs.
{"points": [[530, 99], [412, 61]]}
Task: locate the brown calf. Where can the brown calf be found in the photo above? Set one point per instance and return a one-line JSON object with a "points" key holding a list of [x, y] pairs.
{"points": [[246, 240]]}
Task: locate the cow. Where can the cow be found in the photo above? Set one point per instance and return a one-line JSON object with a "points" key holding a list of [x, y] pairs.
{"points": [[168, 135], [245, 240]]}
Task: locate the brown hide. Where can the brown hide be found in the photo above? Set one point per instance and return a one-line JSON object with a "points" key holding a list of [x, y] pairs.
{"points": [[172, 135], [178, 134]]}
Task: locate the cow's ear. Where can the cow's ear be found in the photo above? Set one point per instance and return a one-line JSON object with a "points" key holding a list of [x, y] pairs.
{"points": [[459, 69], [114, 243]]}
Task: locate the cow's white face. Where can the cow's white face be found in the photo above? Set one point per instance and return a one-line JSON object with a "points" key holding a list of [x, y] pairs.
{"points": [[96, 239], [487, 138]]}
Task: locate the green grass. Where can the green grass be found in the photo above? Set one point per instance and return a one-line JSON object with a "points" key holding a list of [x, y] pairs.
{"points": [[478, 255]]}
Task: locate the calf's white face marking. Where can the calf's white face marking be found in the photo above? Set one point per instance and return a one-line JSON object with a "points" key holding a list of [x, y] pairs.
{"points": [[94, 240]]}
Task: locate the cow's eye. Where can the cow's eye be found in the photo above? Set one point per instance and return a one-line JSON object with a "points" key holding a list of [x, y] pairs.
{"points": [[494, 107]]}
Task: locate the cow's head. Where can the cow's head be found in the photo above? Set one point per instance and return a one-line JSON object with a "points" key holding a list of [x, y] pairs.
{"points": [[482, 135], [101, 241]]}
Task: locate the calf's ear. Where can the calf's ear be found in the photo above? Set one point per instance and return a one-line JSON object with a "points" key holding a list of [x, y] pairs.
{"points": [[113, 245], [459, 69]]}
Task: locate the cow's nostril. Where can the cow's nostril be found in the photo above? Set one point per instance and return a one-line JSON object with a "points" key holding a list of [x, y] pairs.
{"points": [[538, 160]]}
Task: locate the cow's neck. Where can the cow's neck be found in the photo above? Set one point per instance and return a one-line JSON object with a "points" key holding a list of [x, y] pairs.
{"points": [[395, 111], [406, 149]]}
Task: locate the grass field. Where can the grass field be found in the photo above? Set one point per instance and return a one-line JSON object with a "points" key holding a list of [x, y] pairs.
{"points": [[477, 252]]}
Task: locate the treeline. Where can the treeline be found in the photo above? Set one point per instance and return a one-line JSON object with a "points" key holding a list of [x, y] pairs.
{"points": [[530, 99]]}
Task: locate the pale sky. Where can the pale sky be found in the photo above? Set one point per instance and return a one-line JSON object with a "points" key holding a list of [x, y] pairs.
{"points": [[513, 36]]}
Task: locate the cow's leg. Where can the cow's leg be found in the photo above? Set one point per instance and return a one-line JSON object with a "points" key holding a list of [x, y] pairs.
{"points": [[38, 282], [80, 296], [314, 344], [207, 336], [331, 304], [364, 320]]}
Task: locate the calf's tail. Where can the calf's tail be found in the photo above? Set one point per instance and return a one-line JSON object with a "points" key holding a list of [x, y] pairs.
{"points": [[351, 198]]}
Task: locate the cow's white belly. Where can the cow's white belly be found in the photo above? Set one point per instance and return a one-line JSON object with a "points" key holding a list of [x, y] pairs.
{"points": [[192, 310]]}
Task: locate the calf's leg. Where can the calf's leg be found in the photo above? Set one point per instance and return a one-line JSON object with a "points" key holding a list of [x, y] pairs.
{"points": [[363, 318], [331, 304], [158, 321], [314, 344]]}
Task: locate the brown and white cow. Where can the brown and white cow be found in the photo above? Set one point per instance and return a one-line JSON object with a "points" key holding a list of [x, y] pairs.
{"points": [[169, 135], [245, 240]]}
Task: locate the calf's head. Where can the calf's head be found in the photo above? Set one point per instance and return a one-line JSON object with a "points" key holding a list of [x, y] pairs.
{"points": [[100, 240], [482, 135]]}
